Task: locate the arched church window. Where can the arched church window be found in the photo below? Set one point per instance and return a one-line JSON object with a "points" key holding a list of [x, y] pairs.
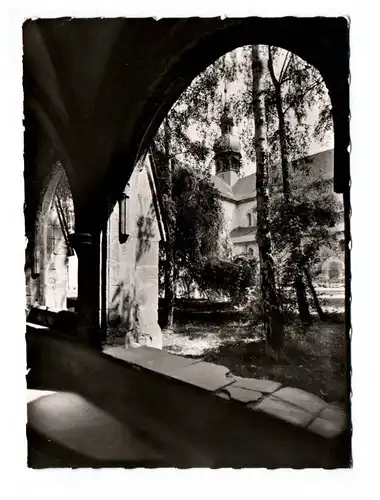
{"points": [[341, 245], [249, 216], [250, 252]]}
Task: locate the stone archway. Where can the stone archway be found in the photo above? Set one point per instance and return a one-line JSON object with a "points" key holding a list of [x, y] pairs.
{"points": [[55, 263]]}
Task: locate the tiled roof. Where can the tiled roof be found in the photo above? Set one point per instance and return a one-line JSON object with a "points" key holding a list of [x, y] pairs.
{"points": [[321, 167], [223, 188], [245, 187], [242, 231]]}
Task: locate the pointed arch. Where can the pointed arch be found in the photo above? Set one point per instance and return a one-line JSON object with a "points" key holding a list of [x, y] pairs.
{"points": [[51, 248]]}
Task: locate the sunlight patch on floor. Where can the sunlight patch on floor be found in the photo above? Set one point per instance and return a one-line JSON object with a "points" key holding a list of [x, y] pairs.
{"points": [[198, 346], [71, 421]]}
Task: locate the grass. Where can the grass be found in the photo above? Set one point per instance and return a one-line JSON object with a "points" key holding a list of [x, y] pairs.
{"points": [[313, 358]]}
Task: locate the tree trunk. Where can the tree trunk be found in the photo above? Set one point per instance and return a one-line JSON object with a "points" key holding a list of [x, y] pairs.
{"points": [[317, 305], [273, 317], [169, 264], [299, 284], [169, 290], [297, 257]]}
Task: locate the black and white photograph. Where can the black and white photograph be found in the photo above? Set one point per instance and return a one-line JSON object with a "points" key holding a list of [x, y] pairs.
{"points": [[187, 242]]}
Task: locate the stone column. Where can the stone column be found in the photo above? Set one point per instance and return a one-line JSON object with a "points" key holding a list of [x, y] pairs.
{"points": [[87, 247], [146, 284], [132, 285]]}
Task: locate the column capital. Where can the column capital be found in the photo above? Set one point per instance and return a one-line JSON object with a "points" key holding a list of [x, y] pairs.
{"points": [[81, 241]]}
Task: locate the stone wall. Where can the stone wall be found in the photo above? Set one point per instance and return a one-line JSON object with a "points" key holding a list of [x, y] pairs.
{"points": [[132, 278], [48, 287], [55, 272]]}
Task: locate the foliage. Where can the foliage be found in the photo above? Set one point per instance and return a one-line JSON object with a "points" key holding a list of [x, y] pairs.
{"points": [[228, 278], [293, 94], [305, 104], [183, 146], [315, 212], [195, 116], [197, 219], [193, 125]]}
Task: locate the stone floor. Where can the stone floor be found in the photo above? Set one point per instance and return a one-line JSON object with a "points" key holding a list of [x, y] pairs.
{"points": [[144, 407], [73, 430], [292, 405]]}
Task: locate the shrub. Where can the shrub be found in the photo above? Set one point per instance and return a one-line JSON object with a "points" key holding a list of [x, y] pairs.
{"points": [[230, 279]]}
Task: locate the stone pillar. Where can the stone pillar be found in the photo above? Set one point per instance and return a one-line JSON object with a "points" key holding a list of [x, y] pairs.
{"points": [[87, 247], [132, 282], [32, 283], [146, 285]]}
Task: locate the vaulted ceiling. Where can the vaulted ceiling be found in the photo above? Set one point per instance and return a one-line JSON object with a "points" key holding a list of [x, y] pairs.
{"points": [[96, 90]]}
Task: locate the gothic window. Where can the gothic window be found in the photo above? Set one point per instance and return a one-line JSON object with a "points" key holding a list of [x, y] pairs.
{"points": [[341, 245], [249, 217], [250, 252]]}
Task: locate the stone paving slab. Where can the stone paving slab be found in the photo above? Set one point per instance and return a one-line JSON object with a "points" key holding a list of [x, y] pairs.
{"points": [[289, 404], [325, 428], [205, 375], [283, 410], [150, 358], [240, 394], [331, 421], [334, 412], [255, 384], [305, 400]]}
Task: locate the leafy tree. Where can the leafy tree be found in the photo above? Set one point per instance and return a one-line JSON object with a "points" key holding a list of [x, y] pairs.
{"points": [[195, 223], [292, 94], [290, 219], [179, 150], [273, 318], [199, 218], [190, 129], [315, 214]]}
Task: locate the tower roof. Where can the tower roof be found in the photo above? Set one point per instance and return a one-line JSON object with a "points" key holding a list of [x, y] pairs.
{"points": [[227, 142]]}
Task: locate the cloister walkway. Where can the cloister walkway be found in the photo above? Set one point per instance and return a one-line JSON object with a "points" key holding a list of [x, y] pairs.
{"points": [[146, 408]]}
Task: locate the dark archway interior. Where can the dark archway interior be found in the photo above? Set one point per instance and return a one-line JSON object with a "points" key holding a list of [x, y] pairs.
{"points": [[96, 91], [95, 94]]}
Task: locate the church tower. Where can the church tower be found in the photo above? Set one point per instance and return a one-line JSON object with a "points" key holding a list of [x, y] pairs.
{"points": [[227, 149]]}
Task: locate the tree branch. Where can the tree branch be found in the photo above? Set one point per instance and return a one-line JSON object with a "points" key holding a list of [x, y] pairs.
{"points": [[312, 86], [304, 93], [285, 69]]}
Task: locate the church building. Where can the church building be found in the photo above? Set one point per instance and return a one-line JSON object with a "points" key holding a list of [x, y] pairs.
{"points": [[238, 197]]}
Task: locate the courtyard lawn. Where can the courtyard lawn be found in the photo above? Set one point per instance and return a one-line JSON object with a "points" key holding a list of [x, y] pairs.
{"points": [[313, 359]]}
